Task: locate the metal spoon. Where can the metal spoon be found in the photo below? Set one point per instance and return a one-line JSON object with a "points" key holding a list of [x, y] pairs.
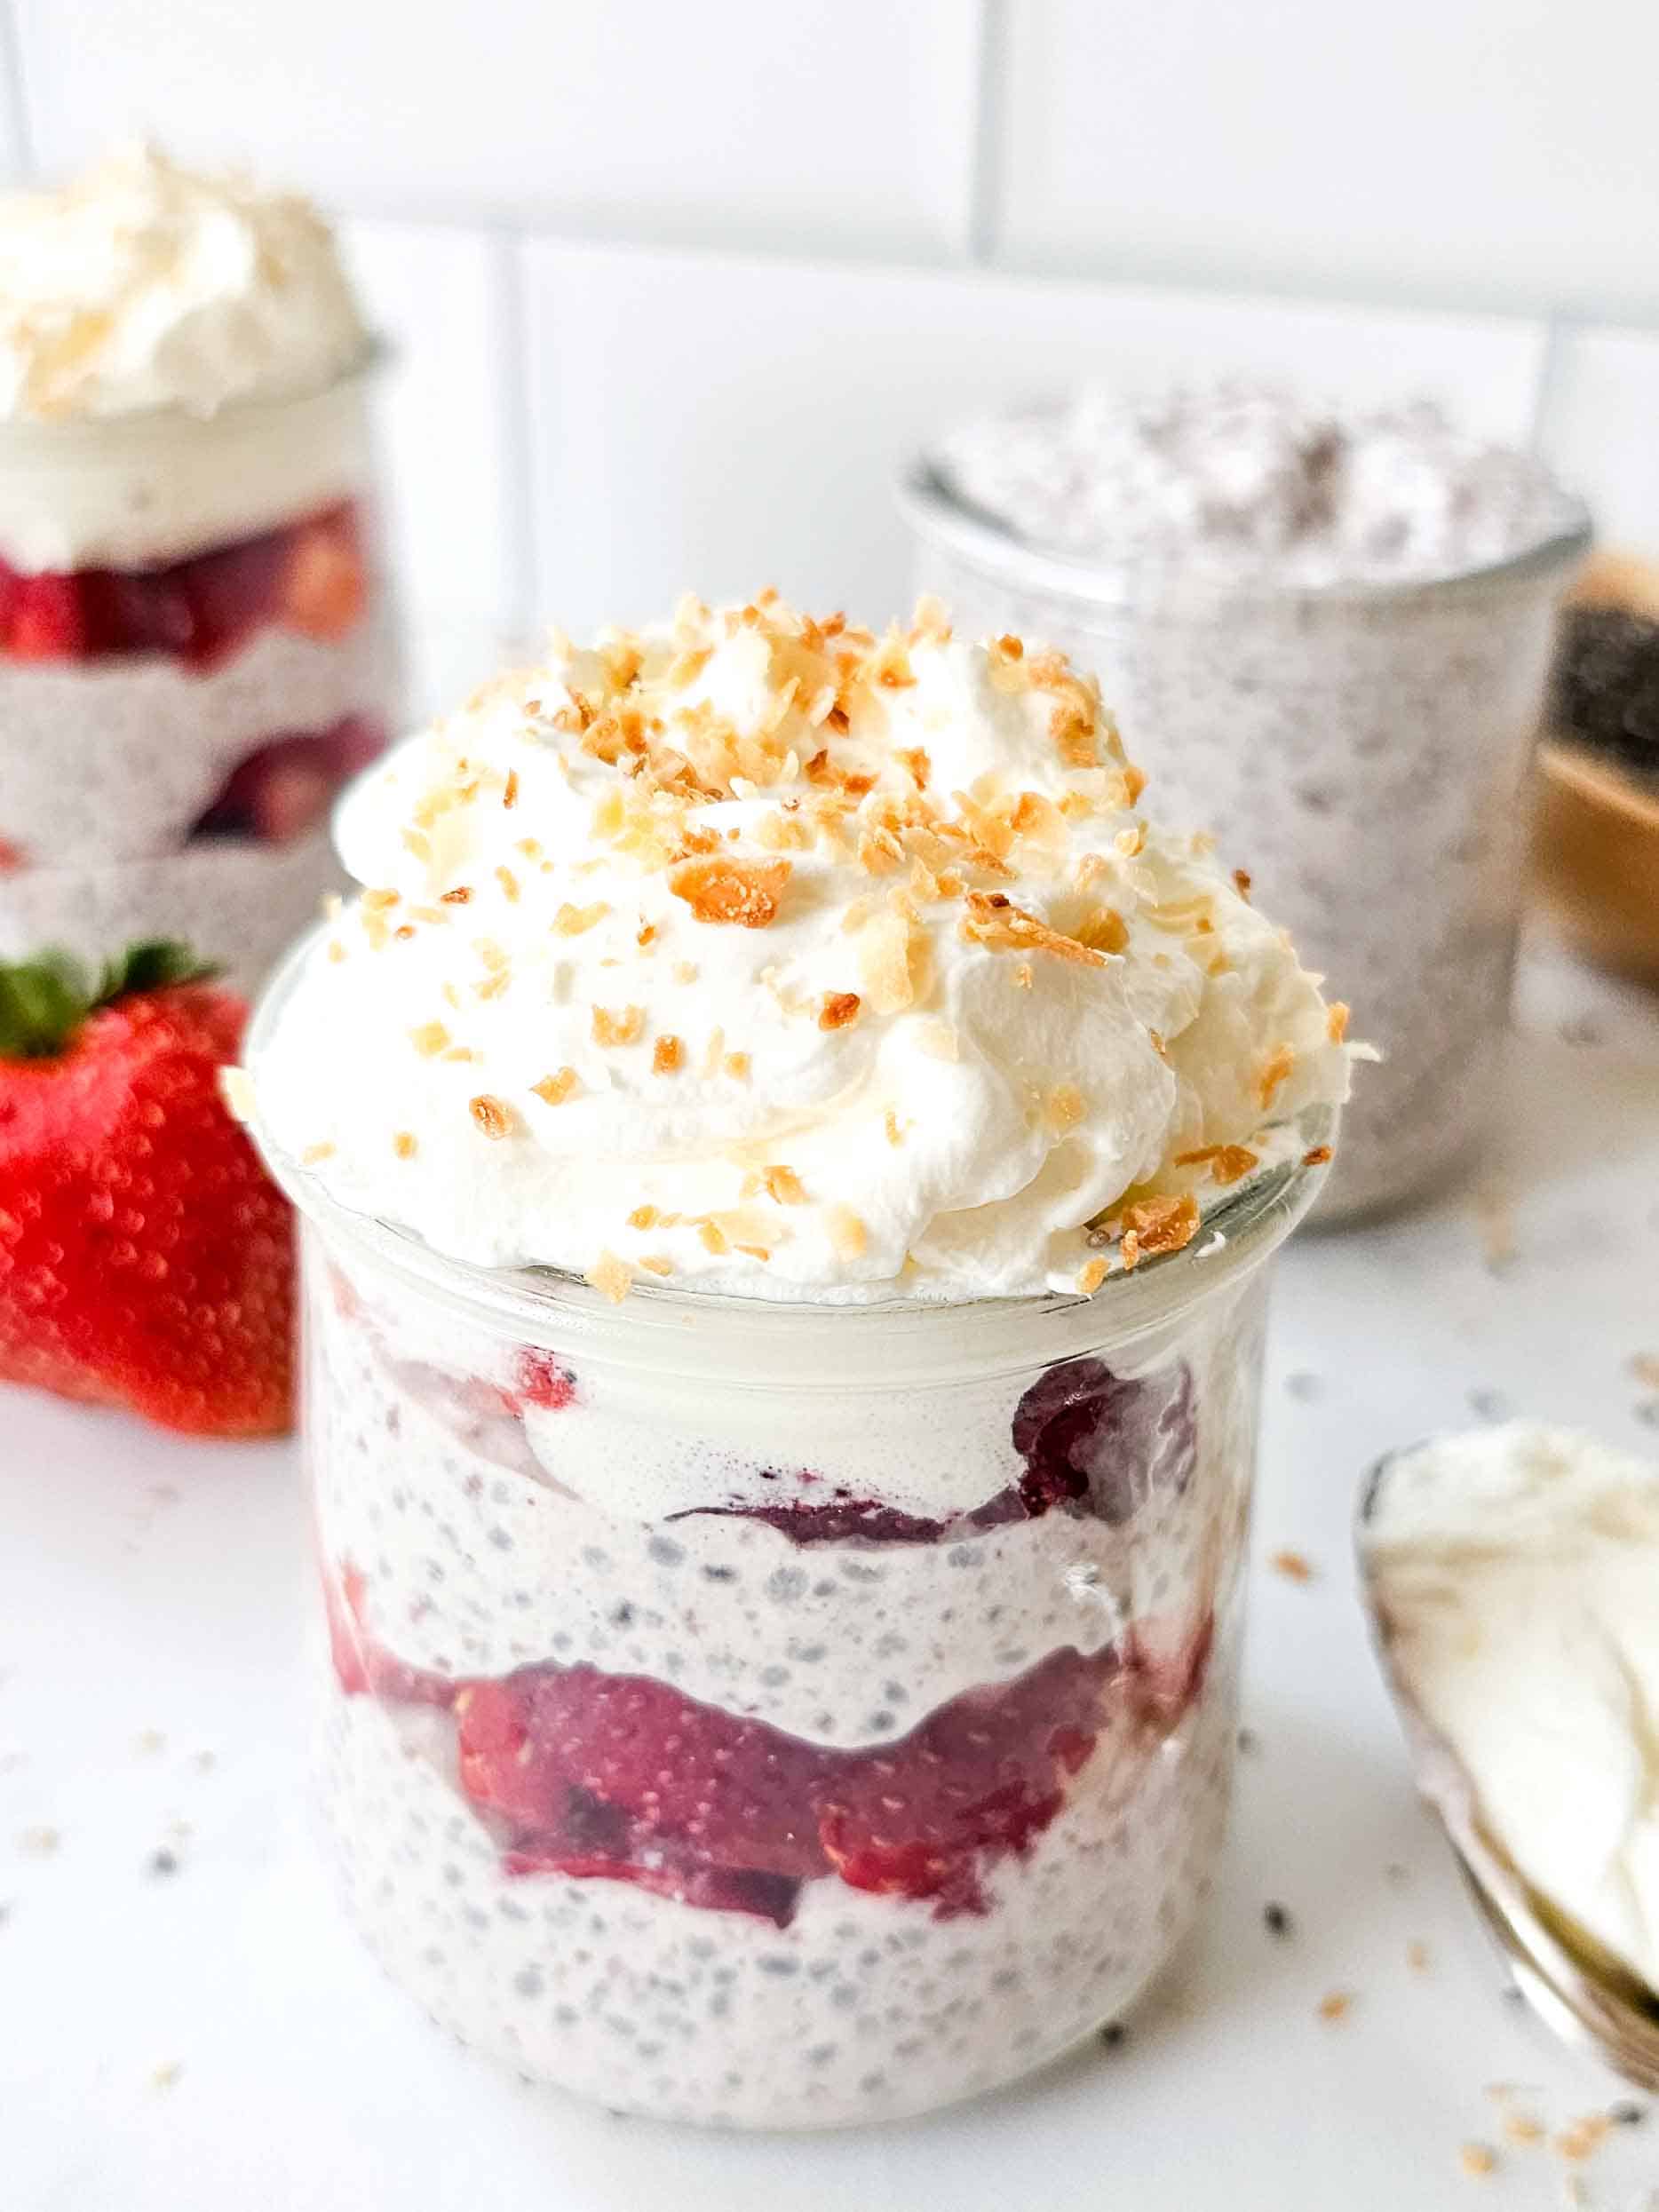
{"points": [[1575, 1985]]}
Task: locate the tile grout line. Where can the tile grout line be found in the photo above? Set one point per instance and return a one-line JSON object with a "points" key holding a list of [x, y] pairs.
{"points": [[985, 133], [14, 86]]}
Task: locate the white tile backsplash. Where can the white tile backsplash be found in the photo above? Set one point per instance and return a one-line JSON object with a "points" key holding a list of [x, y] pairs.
{"points": [[826, 124], [1601, 429], [581, 423], [721, 424], [1484, 153]]}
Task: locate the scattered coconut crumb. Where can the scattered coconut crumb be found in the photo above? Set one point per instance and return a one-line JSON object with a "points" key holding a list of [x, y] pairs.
{"points": [[1418, 1957], [554, 1090], [404, 1145], [1524, 2129], [1645, 1367], [1478, 2161], [1581, 2138], [1336, 2005], [847, 1233], [1294, 1565]]}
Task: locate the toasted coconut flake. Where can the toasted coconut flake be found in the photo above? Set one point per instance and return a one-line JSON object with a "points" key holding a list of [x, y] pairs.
{"points": [[509, 883], [404, 1145], [656, 1264], [839, 1008], [611, 1277], [378, 901], [574, 921], [892, 955], [1161, 1223], [1337, 1021], [712, 1236], [723, 890], [1336, 2005], [1294, 1565], [313, 1154], [1242, 883], [1227, 1163], [847, 1231], [737, 1067], [784, 1186], [456, 897], [668, 1055], [509, 789], [993, 920], [1317, 1157], [890, 1123], [1104, 930], [626, 1026], [1093, 1276], [337, 951], [1274, 1073], [494, 1116], [1478, 2160], [430, 1039]]}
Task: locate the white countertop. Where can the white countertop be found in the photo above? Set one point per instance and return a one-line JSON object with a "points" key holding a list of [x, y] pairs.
{"points": [[212, 2036]]}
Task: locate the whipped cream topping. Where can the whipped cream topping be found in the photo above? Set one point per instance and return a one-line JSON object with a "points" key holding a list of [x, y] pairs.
{"points": [[759, 953], [1248, 481], [145, 285], [1514, 1569]]}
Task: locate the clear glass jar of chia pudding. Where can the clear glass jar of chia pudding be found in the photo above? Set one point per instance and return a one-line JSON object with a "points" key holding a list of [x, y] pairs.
{"points": [[773, 1715], [197, 652], [1369, 747]]}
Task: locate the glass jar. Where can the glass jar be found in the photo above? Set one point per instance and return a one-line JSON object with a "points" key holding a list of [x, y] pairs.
{"points": [[1367, 751], [196, 652], [768, 1715]]}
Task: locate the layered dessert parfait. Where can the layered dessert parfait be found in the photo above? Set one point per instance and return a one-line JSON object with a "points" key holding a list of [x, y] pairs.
{"points": [[195, 652], [787, 1156], [1333, 628]]}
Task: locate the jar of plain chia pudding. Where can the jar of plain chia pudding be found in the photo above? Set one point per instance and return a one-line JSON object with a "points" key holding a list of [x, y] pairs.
{"points": [[788, 1159], [1330, 635], [195, 651]]}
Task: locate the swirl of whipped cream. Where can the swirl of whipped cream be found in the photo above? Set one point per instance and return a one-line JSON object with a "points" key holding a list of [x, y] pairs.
{"points": [[145, 285], [759, 953]]}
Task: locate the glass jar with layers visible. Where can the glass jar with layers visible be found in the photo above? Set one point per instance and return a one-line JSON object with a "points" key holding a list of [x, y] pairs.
{"points": [[1366, 750], [196, 652], [779, 1716]]}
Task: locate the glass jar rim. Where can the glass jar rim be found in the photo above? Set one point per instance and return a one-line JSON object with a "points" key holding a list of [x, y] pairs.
{"points": [[938, 513], [731, 1338], [167, 419]]}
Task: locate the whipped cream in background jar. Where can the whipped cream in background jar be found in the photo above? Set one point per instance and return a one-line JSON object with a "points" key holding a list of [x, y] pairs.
{"points": [[196, 639], [1330, 636], [788, 1158]]}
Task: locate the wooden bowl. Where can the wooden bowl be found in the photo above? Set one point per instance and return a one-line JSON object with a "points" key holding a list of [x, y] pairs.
{"points": [[1595, 858]]}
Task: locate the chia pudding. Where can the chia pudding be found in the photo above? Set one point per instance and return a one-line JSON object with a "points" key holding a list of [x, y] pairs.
{"points": [[1329, 632], [786, 1158], [195, 644]]}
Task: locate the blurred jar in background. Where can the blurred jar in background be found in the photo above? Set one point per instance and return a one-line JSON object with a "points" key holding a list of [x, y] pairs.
{"points": [[1330, 639], [195, 643]]}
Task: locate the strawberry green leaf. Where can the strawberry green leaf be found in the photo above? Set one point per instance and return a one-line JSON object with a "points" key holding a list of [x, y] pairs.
{"points": [[43, 1002], [154, 963]]}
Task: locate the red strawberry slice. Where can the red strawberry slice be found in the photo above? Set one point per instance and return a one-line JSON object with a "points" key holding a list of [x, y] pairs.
{"points": [[977, 1782], [324, 591], [46, 622], [285, 787], [550, 1746]]}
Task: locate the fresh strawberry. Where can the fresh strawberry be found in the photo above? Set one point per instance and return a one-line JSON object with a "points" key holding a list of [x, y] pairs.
{"points": [[641, 1764], [979, 1779], [145, 1259], [47, 621], [285, 787]]}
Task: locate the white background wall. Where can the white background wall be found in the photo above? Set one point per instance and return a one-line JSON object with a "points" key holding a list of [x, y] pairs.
{"points": [[675, 287]]}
